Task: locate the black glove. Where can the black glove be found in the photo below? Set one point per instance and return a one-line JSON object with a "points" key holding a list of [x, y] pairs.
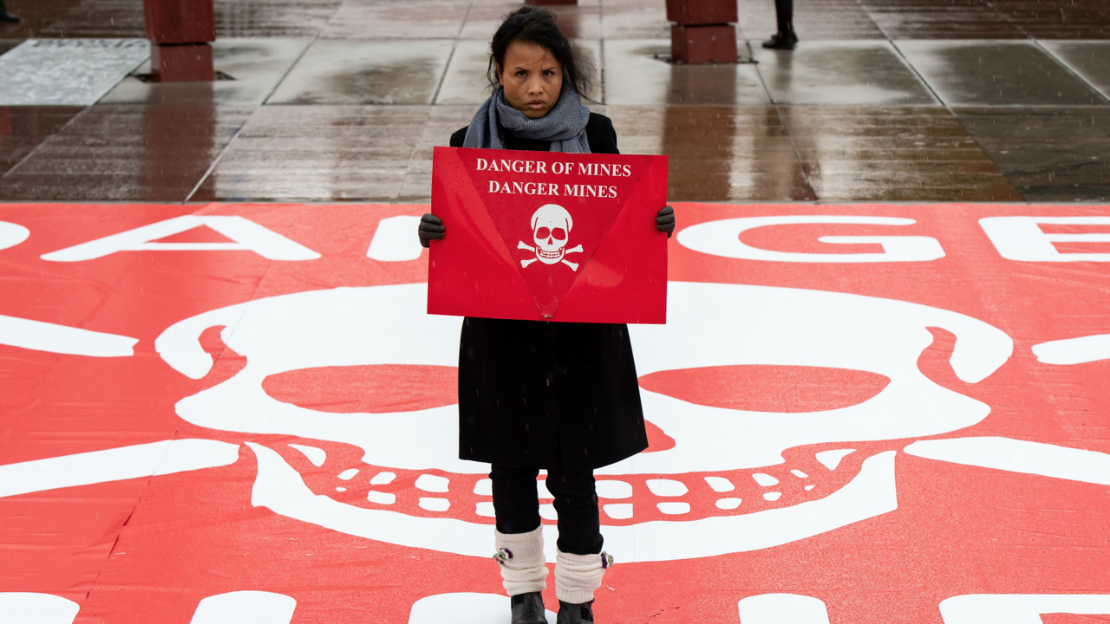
{"points": [[664, 221], [432, 228]]}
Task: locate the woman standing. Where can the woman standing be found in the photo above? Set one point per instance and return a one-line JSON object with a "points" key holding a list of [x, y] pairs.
{"points": [[535, 395]]}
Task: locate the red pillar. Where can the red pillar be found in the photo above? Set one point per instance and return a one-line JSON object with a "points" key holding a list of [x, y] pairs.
{"points": [[703, 31], [179, 33]]}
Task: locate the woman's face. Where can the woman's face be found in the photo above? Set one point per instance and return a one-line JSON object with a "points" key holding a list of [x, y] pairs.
{"points": [[532, 78]]}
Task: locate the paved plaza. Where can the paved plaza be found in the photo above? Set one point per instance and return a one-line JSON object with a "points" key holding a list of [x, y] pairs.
{"points": [[922, 100]]}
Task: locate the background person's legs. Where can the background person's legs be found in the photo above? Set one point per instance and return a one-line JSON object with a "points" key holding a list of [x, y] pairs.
{"points": [[784, 15], [785, 38]]}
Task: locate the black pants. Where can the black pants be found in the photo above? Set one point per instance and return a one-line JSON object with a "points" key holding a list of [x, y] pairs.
{"points": [[784, 12], [517, 507]]}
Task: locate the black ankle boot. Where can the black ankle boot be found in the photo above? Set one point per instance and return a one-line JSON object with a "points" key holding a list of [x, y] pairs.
{"points": [[575, 613], [528, 608], [782, 41]]}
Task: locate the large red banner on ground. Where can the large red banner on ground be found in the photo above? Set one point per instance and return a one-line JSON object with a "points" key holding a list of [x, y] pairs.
{"points": [[857, 414], [549, 236]]}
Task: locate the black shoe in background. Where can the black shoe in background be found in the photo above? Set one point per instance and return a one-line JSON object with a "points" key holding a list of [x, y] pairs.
{"points": [[528, 608], [782, 41]]}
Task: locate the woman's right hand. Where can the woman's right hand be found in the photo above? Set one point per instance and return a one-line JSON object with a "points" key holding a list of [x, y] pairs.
{"points": [[431, 228]]}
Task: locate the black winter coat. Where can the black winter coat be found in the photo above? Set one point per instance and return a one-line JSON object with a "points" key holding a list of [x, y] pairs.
{"points": [[534, 394]]}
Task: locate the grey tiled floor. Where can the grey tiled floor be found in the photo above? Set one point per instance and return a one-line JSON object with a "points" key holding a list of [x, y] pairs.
{"points": [[860, 73], [999, 73], [343, 99], [1090, 60]]}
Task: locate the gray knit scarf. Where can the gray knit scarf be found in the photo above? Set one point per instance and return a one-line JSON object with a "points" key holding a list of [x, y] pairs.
{"points": [[564, 125]]}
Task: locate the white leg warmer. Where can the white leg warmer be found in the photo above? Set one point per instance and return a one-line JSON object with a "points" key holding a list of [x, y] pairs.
{"points": [[522, 561], [577, 577]]}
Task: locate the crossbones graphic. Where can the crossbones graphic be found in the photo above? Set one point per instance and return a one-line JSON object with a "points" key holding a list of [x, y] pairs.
{"points": [[551, 225]]}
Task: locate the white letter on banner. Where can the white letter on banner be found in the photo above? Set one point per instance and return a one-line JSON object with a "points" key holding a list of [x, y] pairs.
{"points": [[1022, 239], [722, 238], [33, 608], [53, 338], [395, 240], [1019, 608], [782, 609], [247, 235], [245, 607], [12, 234]]}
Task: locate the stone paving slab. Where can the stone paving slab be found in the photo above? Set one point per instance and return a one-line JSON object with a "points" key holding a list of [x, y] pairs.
{"points": [[156, 153], [996, 73], [66, 72], [256, 66], [1049, 154], [892, 154], [633, 76], [322, 153], [853, 73], [22, 128], [631, 19], [1089, 59], [366, 72], [393, 19]]}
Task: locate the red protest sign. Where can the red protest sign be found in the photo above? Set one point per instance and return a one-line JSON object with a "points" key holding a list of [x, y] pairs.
{"points": [[548, 236]]}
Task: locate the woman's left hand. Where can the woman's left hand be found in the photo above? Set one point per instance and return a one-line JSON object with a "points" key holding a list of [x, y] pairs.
{"points": [[664, 221]]}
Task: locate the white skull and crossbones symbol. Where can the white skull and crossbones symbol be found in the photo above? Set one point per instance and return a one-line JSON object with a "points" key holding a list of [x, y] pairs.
{"points": [[551, 226]]}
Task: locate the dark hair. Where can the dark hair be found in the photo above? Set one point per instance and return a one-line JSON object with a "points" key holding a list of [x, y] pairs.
{"points": [[538, 26]]}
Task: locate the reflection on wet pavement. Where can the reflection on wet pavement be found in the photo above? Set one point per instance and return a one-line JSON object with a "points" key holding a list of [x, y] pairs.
{"points": [[22, 128], [321, 153], [940, 19], [366, 72], [895, 154], [860, 73], [255, 67], [633, 76], [273, 18], [153, 153], [716, 153]]}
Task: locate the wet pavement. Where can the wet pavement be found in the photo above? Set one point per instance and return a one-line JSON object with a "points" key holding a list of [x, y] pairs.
{"points": [[884, 100]]}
